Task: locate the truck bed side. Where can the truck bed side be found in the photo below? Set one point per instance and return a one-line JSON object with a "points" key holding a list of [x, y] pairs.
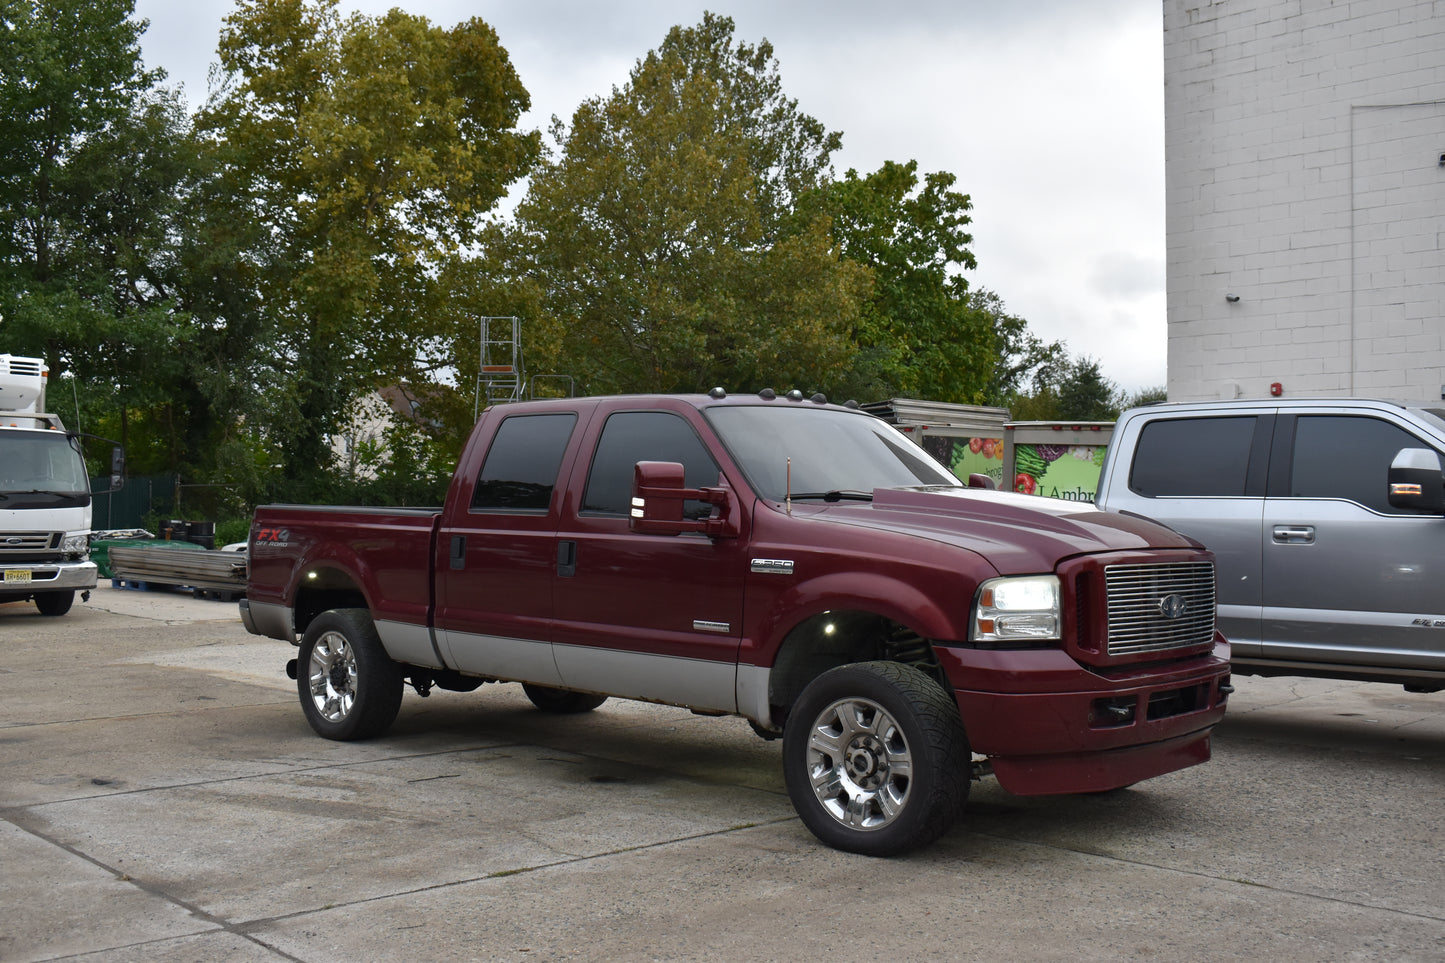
{"points": [[310, 559]]}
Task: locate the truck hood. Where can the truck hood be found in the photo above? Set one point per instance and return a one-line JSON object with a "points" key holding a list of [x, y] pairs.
{"points": [[1017, 534]]}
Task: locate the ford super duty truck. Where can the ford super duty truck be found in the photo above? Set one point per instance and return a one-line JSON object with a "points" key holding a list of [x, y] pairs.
{"points": [[1327, 517], [800, 564]]}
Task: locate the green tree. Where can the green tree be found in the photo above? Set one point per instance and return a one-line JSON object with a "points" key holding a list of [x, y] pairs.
{"points": [[1019, 354], [368, 151], [919, 333], [1072, 389], [659, 242]]}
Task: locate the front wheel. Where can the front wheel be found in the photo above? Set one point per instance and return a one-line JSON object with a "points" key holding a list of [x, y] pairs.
{"points": [[350, 688], [55, 603], [876, 759]]}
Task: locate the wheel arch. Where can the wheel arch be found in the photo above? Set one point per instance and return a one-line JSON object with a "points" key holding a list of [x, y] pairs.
{"points": [[325, 587], [836, 637]]}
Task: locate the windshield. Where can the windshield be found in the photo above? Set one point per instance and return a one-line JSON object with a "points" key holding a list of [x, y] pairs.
{"points": [[41, 461], [831, 451]]}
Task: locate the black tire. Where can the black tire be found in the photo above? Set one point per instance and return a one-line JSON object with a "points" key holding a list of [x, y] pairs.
{"points": [[876, 759], [349, 687], [561, 701], [55, 603]]}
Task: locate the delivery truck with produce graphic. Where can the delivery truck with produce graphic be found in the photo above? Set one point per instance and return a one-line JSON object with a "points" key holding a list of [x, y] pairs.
{"points": [[1055, 459]]}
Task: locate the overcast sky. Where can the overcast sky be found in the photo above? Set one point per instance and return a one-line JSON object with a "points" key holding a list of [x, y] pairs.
{"points": [[1050, 113]]}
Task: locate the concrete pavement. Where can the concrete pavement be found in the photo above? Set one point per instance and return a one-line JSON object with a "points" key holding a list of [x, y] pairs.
{"points": [[163, 799]]}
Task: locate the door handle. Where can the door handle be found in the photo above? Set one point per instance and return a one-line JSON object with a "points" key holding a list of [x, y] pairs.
{"points": [[1294, 534], [566, 558], [459, 552]]}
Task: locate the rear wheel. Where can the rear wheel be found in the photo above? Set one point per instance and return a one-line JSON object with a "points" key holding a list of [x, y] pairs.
{"points": [[349, 687], [55, 603], [561, 701], [876, 759]]}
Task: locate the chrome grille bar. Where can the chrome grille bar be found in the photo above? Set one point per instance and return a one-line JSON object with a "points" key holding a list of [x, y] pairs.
{"points": [[1158, 606]]}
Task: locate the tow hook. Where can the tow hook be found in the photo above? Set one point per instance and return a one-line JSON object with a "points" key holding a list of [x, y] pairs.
{"points": [[291, 669], [1226, 689]]}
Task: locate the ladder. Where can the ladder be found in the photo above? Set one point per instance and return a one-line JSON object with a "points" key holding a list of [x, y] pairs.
{"points": [[500, 377]]}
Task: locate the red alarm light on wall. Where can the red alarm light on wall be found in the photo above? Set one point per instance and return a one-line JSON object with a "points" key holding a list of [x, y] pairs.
{"points": [[1276, 389]]}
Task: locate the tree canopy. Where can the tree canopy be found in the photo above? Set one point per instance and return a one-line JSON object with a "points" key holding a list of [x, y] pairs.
{"points": [[218, 289]]}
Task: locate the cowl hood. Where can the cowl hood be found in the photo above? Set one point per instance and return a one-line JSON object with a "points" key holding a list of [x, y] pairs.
{"points": [[1017, 534]]}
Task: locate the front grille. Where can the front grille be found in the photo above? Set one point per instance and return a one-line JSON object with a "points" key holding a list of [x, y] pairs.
{"points": [[29, 546], [1158, 606]]}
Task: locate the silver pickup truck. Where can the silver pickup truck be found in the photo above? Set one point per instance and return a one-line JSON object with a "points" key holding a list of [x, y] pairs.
{"points": [[1327, 520]]}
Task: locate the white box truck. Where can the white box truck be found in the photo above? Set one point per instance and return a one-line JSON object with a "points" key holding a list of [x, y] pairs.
{"points": [[45, 495]]}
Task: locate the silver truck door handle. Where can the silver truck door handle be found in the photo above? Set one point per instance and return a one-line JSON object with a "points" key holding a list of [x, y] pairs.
{"points": [[1294, 534]]}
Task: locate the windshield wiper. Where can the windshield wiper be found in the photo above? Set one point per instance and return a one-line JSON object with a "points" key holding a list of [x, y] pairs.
{"points": [[836, 495]]}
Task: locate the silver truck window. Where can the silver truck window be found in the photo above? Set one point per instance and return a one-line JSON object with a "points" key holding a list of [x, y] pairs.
{"points": [[1342, 456], [1193, 456], [521, 467]]}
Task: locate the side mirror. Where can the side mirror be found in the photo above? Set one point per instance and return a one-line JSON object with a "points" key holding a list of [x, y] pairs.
{"points": [[658, 497], [979, 480], [1416, 482], [117, 468]]}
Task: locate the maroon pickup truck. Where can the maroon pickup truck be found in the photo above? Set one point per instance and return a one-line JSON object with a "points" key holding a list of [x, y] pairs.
{"points": [[800, 564]]}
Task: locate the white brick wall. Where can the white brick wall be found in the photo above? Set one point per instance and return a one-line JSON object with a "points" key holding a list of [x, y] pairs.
{"points": [[1302, 142]]}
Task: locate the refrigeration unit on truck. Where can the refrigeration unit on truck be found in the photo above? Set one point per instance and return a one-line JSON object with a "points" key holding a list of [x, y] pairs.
{"points": [[45, 495]]}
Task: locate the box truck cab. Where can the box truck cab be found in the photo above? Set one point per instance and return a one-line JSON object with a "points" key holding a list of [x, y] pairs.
{"points": [[45, 495]]}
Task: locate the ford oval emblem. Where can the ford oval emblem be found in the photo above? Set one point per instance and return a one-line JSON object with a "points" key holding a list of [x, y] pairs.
{"points": [[1173, 606]]}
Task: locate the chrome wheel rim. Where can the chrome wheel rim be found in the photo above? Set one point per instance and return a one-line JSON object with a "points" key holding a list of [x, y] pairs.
{"points": [[332, 676], [859, 764]]}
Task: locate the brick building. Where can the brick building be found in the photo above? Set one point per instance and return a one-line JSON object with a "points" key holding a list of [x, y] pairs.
{"points": [[1305, 171]]}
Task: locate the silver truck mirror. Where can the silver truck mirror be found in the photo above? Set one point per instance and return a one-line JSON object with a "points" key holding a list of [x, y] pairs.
{"points": [[1416, 482]]}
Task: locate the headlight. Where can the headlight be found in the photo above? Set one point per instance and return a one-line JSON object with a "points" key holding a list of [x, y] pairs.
{"points": [[1022, 608], [78, 544]]}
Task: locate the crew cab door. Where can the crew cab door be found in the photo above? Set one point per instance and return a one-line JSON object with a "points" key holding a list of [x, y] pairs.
{"points": [[1347, 577], [655, 617], [497, 553]]}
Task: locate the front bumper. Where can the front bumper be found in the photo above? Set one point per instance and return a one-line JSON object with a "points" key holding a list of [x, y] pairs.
{"points": [[46, 577], [1049, 725]]}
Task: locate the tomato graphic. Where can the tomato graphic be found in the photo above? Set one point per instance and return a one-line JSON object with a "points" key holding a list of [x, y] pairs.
{"points": [[1025, 483], [986, 445], [974, 444]]}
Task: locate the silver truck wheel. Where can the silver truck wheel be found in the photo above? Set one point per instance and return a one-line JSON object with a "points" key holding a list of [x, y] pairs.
{"points": [[875, 758], [349, 687]]}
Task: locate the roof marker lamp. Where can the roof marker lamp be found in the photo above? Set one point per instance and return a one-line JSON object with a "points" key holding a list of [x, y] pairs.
{"points": [[1017, 609]]}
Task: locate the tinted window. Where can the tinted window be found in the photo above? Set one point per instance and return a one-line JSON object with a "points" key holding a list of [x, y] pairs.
{"points": [[633, 436], [1337, 456], [1193, 456], [522, 464]]}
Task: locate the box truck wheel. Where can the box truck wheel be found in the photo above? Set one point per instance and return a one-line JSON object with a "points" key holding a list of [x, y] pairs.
{"points": [[875, 758], [55, 603], [350, 688]]}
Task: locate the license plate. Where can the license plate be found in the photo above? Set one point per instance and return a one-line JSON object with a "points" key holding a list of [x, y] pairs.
{"points": [[17, 575]]}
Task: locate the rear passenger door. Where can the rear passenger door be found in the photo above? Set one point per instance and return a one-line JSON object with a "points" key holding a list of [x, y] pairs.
{"points": [[1204, 476], [497, 559], [1347, 576]]}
